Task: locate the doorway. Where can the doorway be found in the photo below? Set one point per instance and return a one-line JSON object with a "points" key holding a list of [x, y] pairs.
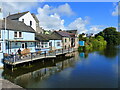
{"points": [[24, 45]]}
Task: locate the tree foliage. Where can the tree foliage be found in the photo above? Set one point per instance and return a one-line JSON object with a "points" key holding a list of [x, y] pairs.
{"points": [[111, 35]]}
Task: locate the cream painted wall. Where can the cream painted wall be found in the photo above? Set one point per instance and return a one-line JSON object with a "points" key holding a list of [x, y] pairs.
{"points": [[27, 18]]}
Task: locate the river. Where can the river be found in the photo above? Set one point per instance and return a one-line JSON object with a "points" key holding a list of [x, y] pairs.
{"points": [[91, 69]]}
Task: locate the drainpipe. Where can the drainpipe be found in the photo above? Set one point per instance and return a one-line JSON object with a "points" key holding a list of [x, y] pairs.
{"points": [[4, 34]]}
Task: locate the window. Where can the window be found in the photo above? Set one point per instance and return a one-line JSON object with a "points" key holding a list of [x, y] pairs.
{"points": [[23, 45], [0, 10], [20, 34], [22, 20], [30, 23], [58, 43], [15, 34], [65, 40], [50, 43], [16, 44], [38, 45], [46, 44], [0, 33], [0, 46]]}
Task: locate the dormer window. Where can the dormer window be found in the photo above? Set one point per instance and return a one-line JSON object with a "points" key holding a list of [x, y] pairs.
{"points": [[23, 20], [30, 23]]}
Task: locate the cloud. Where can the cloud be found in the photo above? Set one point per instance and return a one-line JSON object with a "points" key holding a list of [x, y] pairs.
{"points": [[50, 17], [15, 7], [79, 24], [64, 9], [96, 29], [115, 12]]}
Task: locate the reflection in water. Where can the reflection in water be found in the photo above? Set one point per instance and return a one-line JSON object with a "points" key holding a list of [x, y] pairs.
{"points": [[110, 51], [85, 69], [24, 76]]}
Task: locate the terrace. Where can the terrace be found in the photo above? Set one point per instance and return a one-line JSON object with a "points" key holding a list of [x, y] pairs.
{"points": [[17, 59]]}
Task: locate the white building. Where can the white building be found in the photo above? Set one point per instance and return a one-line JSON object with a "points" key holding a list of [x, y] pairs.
{"points": [[29, 19]]}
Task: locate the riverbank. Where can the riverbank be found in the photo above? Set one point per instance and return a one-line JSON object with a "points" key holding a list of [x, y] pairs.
{"points": [[92, 43], [8, 85]]}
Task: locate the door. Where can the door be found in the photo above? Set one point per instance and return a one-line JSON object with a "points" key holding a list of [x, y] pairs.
{"points": [[24, 45]]}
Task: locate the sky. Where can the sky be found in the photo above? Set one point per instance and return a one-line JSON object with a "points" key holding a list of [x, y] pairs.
{"points": [[86, 17]]}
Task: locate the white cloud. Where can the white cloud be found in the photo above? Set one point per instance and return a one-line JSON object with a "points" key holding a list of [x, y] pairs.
{"points": [[115, 12], [15, 7], [79, 24], [96, 28], [64, 9], [50, 17]]}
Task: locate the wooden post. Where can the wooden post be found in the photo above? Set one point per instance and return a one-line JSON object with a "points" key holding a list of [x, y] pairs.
{"points": [[14, 58], [43, 61], [31, 56], [12, 68], [29, 64], [53, 60], [68, 49], [62, 50], [45, 54], [55, 52]]}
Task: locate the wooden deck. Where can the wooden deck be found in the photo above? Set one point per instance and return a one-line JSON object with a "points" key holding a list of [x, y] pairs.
{"points": [[16, 59]]}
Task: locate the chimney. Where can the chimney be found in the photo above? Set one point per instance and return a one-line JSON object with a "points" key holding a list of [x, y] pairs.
{"points": [[9, 13]]}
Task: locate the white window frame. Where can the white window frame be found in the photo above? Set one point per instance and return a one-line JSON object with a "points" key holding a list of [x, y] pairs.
{"points": [[18, 33]]}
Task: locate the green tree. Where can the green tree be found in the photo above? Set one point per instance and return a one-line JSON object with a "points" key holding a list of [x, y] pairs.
{"points": [[111, 35]]}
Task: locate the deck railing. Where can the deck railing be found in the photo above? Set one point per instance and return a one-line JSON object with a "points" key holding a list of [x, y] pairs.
{"points": [[36, 55]]}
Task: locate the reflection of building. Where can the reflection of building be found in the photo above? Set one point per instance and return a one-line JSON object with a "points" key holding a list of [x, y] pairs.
{"points": [[82, 55], [40, 74]]}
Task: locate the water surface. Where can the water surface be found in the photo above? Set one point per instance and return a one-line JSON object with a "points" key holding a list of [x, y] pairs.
{"points": [[91, 69]]}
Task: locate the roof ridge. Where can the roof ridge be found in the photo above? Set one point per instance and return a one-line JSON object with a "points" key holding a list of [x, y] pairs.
{"points": [[19, 13]]}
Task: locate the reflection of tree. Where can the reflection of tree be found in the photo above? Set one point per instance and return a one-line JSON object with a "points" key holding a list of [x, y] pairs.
{"points": [[109, 52]]}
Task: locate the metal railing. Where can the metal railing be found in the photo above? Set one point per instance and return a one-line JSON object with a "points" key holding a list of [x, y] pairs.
{"points": [[36, 55]]}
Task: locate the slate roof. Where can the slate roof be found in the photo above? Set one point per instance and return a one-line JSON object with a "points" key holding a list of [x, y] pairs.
{"points": [[63, 33], [72, 31], [16, 16], [36, 19], [44, 37], [53, 37], [15, 26], [41, 37]]}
